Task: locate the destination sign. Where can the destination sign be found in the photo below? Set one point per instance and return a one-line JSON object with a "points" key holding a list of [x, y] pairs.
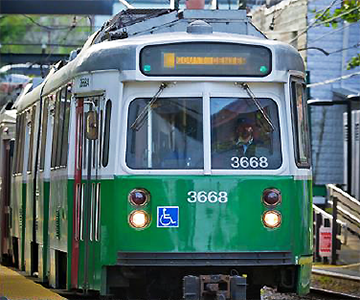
{"points": [[171, 60], [205, 59]]}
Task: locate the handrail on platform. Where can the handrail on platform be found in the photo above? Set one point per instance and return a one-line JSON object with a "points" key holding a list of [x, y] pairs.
{"points": [[326, 215], [348, 207]]}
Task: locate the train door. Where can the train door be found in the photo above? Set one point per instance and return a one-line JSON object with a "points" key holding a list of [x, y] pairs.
{"points": [[42, 188], [85, 248], [5, 174]]}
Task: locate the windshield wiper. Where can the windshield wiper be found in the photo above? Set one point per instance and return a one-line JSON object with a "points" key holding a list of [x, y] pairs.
{"points": [[266, 117], [143, 115]]}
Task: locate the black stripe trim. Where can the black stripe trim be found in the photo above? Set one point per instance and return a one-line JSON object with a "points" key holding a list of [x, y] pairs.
{"points": [[204, 259]]}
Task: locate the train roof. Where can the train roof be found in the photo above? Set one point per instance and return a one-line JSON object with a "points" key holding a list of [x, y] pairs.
{"points": [[115, 46], [7, 116]]}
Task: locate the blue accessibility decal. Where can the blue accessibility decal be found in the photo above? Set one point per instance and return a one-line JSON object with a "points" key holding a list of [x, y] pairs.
{"points": [[168, 216]]}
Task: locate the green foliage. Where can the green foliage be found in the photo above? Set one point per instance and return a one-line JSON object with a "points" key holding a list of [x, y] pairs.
{"points": [[349, 12], [34, 31], [354, 62], [13, 28]]}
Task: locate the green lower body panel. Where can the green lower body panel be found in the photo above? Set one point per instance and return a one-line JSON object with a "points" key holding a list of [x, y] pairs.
{"points": [[303, 286], [22, 228], [216, 224], [43, 230]]}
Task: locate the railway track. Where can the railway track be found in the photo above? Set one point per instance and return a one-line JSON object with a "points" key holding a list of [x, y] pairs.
{"points": [[317, 292], [335, 285]]}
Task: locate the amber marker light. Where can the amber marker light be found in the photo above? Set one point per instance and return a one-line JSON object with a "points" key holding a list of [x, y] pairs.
{"points": [[139, 219], [271, 196], [272, 219], [139, 197]]}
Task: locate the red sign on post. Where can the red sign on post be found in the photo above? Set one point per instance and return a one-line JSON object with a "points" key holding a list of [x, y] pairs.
{"points": [[325, 241]]}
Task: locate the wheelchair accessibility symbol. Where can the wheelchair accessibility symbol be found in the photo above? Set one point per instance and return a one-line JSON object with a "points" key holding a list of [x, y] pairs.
{"points": [[167, 216]]}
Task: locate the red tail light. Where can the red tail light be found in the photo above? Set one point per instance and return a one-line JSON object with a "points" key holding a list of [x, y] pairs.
{"points": [[271, 197], [139, 197]]}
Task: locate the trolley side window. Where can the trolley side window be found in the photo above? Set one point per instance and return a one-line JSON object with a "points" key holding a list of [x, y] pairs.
{"points": [[61, 116], [44, 128], [55, 131], [301, 127], [17, 145], [32, 136], [22, 143], [61, 129], [166, 135], [106, 141], [20, 138], [65, 127], [242, 137]]}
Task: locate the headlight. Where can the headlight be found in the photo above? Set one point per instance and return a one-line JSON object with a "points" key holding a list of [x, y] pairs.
{"points": [[139, 197], [272, 219], [139, 219], [271, 196]]}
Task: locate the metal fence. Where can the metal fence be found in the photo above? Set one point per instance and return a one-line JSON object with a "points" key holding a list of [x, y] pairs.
{"points": [[348, 208], [345, 213]]}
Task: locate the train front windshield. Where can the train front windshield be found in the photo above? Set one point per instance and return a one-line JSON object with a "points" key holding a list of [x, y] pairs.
{"points": [[244, 134], [169, 134], [165, 135]]}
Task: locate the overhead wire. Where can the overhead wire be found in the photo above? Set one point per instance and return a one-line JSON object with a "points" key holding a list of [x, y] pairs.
{"points": [[48, 27], [328, 33], [334, 30], [343, 49], [326, 8], [338, 16], [333, 52], [311, 85], [69, 28], [315, 23], [66, 35]]}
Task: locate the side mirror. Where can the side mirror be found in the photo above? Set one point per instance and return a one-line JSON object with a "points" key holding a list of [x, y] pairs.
{"points": [[91, 125]]}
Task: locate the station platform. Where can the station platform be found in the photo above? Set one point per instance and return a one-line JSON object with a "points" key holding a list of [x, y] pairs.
{"points": [[349, 259], [14, 286]]}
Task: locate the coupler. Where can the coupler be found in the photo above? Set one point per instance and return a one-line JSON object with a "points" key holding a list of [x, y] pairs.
{"points": [[219, 287]]}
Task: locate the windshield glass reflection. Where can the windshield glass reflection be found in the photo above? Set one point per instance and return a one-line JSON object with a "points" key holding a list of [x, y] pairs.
{"points": [[239, 137]]}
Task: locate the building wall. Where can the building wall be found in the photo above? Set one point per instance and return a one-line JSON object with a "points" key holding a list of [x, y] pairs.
{"points": [[284, 22], [327, 122], [290, 19]]}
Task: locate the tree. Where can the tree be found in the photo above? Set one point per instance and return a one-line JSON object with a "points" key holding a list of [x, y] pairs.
{"points": [[13, 28], [29, 34], [349, 12]]}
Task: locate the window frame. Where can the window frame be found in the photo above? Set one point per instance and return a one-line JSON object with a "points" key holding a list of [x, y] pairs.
{"points": [[294, 83], [65, 128], [278, 125], [22, 144], [106, 135], [20, 141], [31, 124], [206, 94], [179, 171], [44, 131], [55, 128], [60, 132]]}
